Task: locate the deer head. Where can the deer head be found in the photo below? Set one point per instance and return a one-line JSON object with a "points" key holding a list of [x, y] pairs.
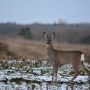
{"points": [[48, 38]]}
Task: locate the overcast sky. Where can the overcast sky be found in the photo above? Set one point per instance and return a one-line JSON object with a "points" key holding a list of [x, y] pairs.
{"points": [[44, 11]]}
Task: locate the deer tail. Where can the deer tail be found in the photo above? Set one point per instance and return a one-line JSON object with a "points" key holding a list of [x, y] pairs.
{"points": [[82, 57], [82, 63]]}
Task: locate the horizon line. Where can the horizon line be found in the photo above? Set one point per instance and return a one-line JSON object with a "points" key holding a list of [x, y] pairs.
{"points": [[62, 22]]}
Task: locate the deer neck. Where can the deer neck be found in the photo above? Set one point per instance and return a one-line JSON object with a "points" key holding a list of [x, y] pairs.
{"points": [[50, 48]]}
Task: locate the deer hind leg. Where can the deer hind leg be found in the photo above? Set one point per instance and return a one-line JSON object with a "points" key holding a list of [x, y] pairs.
{"points": [[83, 66], [76, 73], [85, 69]]}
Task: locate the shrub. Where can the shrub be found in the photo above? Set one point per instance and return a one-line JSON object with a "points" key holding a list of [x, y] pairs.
{"points": [[85, 40], [25, 32]]}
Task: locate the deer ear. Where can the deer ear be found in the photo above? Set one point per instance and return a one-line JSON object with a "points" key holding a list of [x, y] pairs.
{"points": [[44, 35], [53, 35]]}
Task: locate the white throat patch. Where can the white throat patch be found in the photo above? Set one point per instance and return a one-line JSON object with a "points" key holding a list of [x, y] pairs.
{"points": [[47, 45]]}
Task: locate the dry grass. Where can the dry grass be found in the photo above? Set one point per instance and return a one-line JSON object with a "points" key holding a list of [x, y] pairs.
{"points": [[22, 47]]}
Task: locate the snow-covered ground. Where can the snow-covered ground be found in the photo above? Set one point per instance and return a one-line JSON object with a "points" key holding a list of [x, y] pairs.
{"points": [[25, 77]]}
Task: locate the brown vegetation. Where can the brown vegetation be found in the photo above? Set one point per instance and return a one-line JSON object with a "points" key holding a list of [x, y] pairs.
{"points": [[22, 47], [4, 50], [30, 48]]}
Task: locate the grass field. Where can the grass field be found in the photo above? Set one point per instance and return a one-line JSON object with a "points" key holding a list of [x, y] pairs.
{"points": [[31, 48], [16, 74]]}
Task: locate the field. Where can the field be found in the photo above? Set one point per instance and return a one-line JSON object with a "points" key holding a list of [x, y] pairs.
{"points": [[26, 75], [31, 48], [30, 70]]}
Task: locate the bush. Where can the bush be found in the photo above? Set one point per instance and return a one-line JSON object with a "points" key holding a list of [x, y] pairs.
{"points": [[3, 46], [85, 40], [25, 32], [4, 50]]}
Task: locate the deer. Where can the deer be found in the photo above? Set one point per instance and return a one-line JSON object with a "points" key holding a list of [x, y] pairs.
{"points": [[59, 58]]}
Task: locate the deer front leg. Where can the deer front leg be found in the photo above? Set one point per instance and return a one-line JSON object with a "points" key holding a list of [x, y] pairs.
{"points": [[56, 69], [54, 74]]}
